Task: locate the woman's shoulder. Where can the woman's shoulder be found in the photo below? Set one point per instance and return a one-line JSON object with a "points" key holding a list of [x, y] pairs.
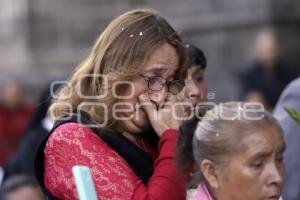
{"points": [[72, 135], [71, 130]]}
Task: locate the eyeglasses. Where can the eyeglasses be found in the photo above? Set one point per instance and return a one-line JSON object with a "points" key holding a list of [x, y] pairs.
{"points": [[157, 83]]}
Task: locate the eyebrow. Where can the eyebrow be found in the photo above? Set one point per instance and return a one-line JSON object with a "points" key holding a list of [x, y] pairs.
{"points": [[266, 153], [282, 148], [263, 154], [158, 70]]}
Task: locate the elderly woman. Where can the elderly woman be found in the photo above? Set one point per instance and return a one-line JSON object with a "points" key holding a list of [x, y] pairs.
{"points": [[111, 115], [238, 149]]}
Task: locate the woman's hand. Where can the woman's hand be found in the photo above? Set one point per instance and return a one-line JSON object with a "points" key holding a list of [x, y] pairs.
{"points": [[168, 115]]}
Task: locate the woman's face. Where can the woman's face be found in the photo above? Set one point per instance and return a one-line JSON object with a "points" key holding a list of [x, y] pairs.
{"points": [[162, 62], [256, 170], [195, 90]]}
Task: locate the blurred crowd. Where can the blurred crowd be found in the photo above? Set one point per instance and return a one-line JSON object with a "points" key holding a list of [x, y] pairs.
{"points": [[265, 78]]}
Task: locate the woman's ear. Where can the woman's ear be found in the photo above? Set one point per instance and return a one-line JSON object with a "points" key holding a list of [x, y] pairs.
{"points": [[210, 173]]}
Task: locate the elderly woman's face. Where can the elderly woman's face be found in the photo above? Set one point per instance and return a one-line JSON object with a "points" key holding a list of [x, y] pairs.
{"points": [[163, 63], [256, 171]]}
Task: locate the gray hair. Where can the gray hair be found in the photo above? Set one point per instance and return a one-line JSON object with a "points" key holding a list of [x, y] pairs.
{"points": [[222, 129]]}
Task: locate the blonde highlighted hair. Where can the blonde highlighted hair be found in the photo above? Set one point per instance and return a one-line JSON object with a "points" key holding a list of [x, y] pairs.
{"points": [[122, 49]]}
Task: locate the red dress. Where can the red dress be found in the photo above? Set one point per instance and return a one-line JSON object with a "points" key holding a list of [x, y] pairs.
{"points": [[72, 144]]}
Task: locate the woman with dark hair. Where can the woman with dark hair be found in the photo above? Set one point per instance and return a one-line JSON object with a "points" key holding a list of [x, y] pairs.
{"points": [[238, 150], [114, 115], [195, 90]]}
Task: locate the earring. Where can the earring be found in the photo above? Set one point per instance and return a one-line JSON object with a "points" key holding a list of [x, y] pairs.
{"points": [[215, 187]]}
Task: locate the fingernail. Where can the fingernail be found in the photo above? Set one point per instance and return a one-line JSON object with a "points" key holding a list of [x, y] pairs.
{"points": [[143, 97]]}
